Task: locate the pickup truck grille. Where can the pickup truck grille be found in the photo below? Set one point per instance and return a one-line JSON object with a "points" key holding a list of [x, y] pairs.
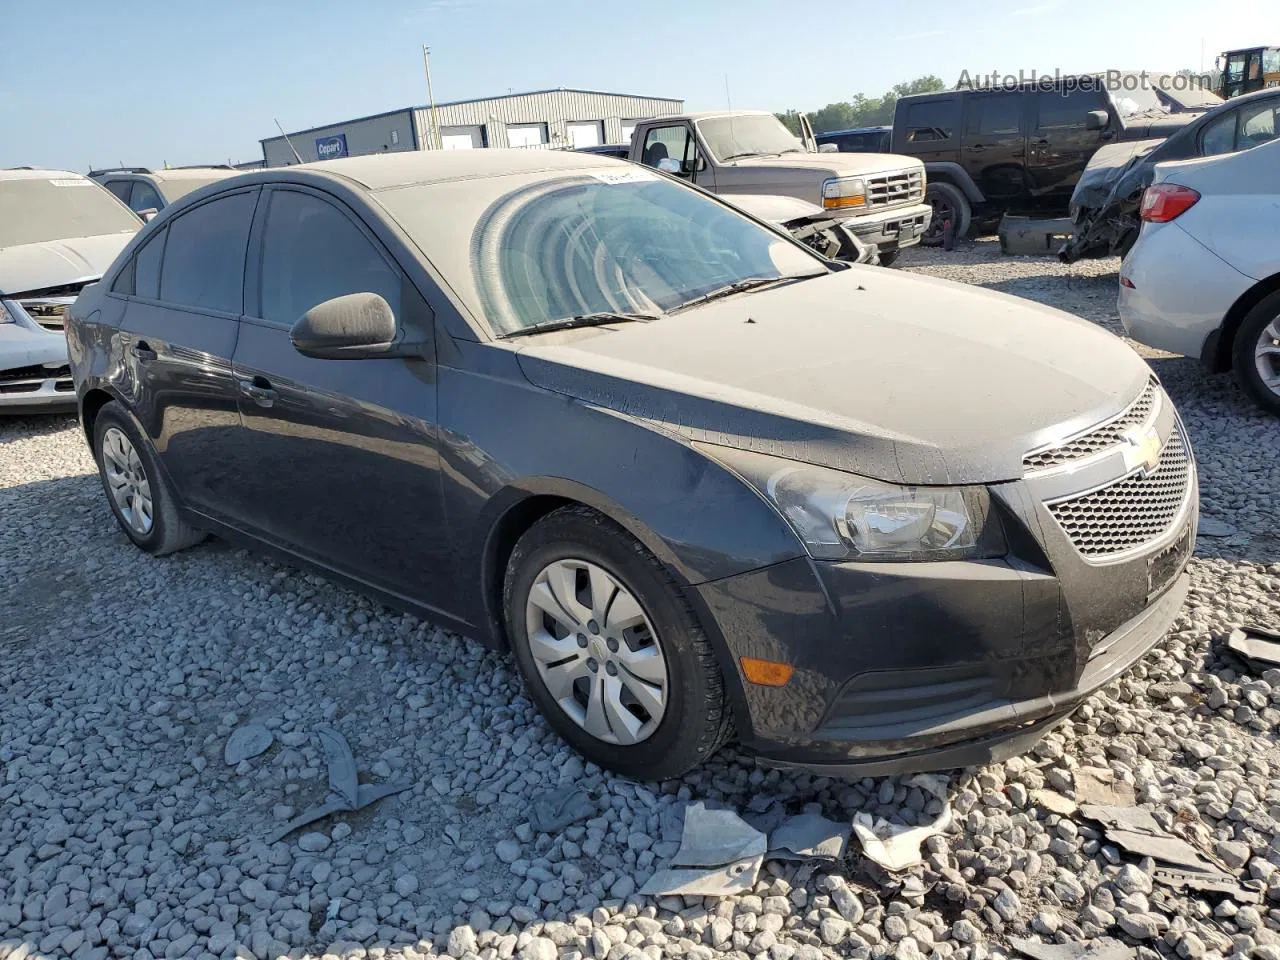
{"points": [[891, 189]]}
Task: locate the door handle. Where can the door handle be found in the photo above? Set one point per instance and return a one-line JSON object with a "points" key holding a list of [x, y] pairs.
{"points": [[977, 147], [258, 390], [142, 350]]}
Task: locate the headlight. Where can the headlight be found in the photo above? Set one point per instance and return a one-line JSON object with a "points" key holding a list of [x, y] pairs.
{"points": [[6, 313], [843, 192], [842, 516]]}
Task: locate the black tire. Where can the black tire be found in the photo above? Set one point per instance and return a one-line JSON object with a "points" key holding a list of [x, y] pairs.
{"points": [[697, 720], [948, 201], [1252, 330], [168, 531], [887, 257]]}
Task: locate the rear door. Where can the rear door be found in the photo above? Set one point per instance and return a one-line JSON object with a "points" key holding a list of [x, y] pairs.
{"points": [[185, 287], [995, 149], [1061, 143], [340, 456]]}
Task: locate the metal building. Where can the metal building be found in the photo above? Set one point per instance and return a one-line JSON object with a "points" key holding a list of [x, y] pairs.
{"points": [[544, 119]]}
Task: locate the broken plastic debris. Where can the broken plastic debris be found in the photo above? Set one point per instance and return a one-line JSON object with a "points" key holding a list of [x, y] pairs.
{"points": [[1054, 802], [331, 913], [247, 742], [1256, 644], [341, 762], [933, 783], [765, 813], [328, 808], [1213, 527], [1134, 829], [1098, 785], [809, 836], [724, 852], [1206, 883], [1102, 948], [896, 847], [559, 808]]}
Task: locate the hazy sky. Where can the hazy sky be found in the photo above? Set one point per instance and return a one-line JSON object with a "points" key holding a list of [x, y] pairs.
{"points": [[146, 82]]}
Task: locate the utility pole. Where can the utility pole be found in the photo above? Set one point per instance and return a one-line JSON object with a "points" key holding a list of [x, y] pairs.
{"points": [[431, 100]]}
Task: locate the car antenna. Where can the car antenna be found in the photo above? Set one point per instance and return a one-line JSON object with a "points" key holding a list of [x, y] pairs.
{"points": [[287, 140]]}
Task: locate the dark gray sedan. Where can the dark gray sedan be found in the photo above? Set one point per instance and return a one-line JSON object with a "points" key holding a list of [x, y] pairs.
{"points": [[695, 477]]}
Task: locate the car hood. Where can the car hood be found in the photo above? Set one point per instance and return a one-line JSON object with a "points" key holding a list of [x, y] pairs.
{"points": [[773, 208], [53, 263], [1105, 169], [903, 378], [829, 164]]}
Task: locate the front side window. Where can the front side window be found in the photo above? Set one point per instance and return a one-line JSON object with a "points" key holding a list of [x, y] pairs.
{"points": [[312, 252], [204, 256], [667, 143], [600, 240], [1219, 136], [749, 135], [41, 208], [1057, 110], [994, 116], [145, 197]]}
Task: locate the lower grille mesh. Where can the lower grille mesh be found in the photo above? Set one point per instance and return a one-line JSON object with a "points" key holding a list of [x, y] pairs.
{"points": [[1133, 511]]}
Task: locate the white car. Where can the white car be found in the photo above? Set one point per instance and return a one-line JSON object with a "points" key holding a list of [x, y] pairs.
{"points": [[59, 232], [1203, 279]]}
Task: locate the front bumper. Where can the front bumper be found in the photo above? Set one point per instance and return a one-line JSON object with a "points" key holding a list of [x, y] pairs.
{"points": [[1181, 291], [34, 375], [902, 667], [892, 229]]}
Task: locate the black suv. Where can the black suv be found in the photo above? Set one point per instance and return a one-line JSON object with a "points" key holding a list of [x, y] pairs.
{"points": [[1019, 149], [859, 139]]}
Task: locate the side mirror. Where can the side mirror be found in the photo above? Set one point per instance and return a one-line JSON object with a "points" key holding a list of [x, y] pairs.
{"points": [[1096, 120], [352, 327], [148, 214], [828, 148], [697, 165], [669, 165]]}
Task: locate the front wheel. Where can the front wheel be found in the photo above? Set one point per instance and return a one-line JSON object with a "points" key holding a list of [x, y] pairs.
{"points": [[887, 257], [1256, 353], [610, 650], [949, 206]]}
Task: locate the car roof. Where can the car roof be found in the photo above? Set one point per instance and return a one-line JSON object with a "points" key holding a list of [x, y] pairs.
{"points": [[712, 114], [191, 173], [381, 171], [40, 175]]}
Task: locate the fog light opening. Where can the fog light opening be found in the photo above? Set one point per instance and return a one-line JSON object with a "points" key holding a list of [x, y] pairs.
{"points": [[766, 673]]}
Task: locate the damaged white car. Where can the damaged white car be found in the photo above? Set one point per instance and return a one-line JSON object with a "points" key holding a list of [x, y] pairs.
{"points": [[58, 232]]}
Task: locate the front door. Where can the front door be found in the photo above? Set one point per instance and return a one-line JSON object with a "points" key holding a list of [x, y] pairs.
{"points": [[184, 288], [341, 463], [677, 142], [1061, 142], [994, 149]]}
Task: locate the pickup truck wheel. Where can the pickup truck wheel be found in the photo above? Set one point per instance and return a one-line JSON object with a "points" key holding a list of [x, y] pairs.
{"points": [[887, 257], [948, 204], [1256, 354]]}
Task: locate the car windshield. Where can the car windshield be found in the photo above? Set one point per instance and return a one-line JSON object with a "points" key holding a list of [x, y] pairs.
{"points": [[528, 249], [1133, 95], [174, 189], [36, 209], [752, 135]]}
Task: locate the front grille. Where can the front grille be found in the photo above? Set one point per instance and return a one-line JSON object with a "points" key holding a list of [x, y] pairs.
{"points": [[49, 313], [906, 186], [1100, 438], [30, 379], [1132, 512]]}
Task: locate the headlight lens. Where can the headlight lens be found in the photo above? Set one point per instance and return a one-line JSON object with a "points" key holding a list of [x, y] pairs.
{"points": [[842, 516], [6, 314], [843, 192]]}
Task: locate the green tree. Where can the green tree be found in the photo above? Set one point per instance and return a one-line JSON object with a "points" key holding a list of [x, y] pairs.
{"points": [[861, 111]]}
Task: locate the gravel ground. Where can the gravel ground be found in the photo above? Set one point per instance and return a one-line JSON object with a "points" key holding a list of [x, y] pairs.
{"points": [[122, 832]]}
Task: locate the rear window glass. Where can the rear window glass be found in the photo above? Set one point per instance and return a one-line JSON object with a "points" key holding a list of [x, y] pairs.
{"points": [[932, 120], [35, 210]]}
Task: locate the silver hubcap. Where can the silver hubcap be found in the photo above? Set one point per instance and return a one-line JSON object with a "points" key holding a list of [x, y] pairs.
{"points": [[1266, 356], [127, 481], [596, 651]]}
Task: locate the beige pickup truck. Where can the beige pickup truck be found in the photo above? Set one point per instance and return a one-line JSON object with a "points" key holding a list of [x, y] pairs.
{"points": [[879, 196]]}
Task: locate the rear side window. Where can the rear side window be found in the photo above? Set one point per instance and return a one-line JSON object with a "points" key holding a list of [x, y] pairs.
{"points": [[146, 270], [931, 120], [1219, 136], [995, 115], [204, 256], [1056, 109], [312, 252]]}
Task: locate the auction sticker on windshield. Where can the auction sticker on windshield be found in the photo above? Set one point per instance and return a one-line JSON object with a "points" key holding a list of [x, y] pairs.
{"points": [[622, 176]]}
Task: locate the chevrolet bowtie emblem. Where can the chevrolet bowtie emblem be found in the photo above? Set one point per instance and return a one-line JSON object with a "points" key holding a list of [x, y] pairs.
{"points": [[1141, 449]]}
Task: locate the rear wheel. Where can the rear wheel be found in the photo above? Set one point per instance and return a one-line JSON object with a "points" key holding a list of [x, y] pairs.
{"points": [[138, 493], [949, 206], [1256, 353], [610, 650]]}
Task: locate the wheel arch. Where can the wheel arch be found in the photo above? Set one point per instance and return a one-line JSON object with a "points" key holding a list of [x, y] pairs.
{"points": [[92, 401], [1220, 344], [948, 171]]}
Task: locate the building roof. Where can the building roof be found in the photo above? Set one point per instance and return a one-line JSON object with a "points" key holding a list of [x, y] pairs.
{"points": [[379, 171], [455, 103]]}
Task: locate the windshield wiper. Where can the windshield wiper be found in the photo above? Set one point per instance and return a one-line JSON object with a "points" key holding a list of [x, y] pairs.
{"points": [[739, 156], [741, 286], [582, 320]]}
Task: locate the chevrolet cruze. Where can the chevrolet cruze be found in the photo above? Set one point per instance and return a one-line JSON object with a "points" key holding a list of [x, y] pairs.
{"points": [[698, 480]]}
